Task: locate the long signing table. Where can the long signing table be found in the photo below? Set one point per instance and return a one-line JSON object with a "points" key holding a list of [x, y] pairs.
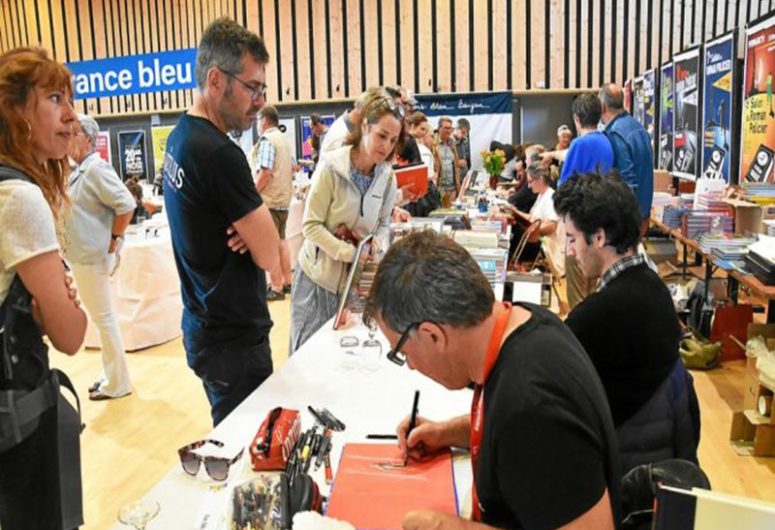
{"points": [[369, 395]]}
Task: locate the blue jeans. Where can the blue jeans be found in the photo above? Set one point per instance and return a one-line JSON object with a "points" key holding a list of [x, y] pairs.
{"points": [[229, 373]]}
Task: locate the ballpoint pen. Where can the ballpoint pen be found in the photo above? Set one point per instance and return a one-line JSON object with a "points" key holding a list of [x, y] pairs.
{"points": [[412, 423]]}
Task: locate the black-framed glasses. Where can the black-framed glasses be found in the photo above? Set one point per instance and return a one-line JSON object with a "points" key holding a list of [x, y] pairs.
{"points": [[255, 92], [217, 467], [395, 355]]}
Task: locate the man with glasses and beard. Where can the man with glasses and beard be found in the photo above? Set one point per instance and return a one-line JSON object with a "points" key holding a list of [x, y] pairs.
{"points": [[542, 441], [223, 235]]}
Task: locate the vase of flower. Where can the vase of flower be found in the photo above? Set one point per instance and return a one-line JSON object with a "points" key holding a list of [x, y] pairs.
{"points": [[493, 162]]}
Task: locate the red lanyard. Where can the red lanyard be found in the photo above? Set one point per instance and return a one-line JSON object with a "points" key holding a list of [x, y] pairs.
{"points": [[477, 405]]}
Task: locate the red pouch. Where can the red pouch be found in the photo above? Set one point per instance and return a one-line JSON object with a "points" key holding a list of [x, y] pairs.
{"points": [[272, 445]]}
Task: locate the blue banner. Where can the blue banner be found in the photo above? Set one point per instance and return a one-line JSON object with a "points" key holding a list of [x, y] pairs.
{"points": [[464, 104], [717, 109], [665, 143], [134, 74]]}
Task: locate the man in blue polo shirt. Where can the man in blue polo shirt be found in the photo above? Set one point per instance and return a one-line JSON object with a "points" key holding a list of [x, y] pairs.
{"points": [[590, 152], [222, 232], [633, 155]]}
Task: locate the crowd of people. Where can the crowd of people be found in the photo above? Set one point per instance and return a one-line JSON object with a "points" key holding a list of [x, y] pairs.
{"points": [[565, 413]]}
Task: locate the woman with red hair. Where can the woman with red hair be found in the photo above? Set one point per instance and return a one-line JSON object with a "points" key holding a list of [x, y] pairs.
{"points": [[39, 459]]}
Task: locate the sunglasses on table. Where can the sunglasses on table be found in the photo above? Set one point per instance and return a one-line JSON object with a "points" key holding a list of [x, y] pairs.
{"points": [[217, 467]]}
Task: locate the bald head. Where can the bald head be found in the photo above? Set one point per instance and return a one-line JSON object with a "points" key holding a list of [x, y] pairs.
{"points": [[612, 99], [612, 96]]}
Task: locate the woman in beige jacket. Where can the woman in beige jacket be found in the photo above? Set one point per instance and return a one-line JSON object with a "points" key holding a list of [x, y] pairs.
{"points": [[352, 195]]}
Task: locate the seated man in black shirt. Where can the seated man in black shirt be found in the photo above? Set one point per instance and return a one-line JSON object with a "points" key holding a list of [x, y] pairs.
{"points": [[628, 326], [540, 432]]}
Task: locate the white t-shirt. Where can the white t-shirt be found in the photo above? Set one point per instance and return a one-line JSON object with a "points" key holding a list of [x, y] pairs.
{"points": [[28, 228], [427, 157], [554, 244]]}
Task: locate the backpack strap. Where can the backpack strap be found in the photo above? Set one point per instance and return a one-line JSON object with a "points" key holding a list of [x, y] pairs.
{"points": [[10, 173]]}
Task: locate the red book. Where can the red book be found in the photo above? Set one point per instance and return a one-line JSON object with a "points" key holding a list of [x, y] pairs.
{"points": [[368, 495], [415, 175]]}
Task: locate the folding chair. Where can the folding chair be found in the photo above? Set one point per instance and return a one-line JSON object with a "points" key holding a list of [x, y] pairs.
{"points": [[514, 263]]}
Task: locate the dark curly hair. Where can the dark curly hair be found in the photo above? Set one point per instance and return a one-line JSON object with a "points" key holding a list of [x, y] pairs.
{"points": [[594, 201]]}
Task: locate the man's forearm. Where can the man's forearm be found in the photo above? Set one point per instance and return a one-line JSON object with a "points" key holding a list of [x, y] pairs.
{"points": [[457, 431]]}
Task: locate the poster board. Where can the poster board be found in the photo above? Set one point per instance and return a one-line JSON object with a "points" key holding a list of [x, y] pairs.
{"points": [[650, 105], [306, 133], [133, 157], [718, 150], [757, 125], [665, 134], [687, 98], [638, 101], [102, 146], [159, 135]]}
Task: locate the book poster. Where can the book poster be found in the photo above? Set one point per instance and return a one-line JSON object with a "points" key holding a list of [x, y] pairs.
{"points": [[757, 130], [133, 157], [665, 138], [718, 78], [102, 145], [159, 135], [650, 104], [306, 133], [628, 96], [638, 103], [686, 113]]}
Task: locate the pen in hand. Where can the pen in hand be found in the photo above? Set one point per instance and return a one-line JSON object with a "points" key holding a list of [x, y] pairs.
{"points": [[412, 422]]}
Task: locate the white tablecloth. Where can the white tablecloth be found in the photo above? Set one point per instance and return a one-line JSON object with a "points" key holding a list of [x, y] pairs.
{"points": [[146, 293], [368, 396]]}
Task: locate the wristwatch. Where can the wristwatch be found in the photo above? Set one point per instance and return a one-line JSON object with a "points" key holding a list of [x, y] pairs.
{"points": [[115, 237]]}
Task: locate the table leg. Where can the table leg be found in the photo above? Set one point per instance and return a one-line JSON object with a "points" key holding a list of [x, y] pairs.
{"points": [[708, 278], [685, 260], [732, 289], [771, 312]]}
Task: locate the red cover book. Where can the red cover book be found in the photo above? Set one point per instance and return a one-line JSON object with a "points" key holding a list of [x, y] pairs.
{"points": [[368, 495], [415, 175]]}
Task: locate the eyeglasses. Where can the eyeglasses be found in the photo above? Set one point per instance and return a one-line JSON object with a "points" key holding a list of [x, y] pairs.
{"points": [[217, 467], [395, 355], [255, 92], [396, 109]]}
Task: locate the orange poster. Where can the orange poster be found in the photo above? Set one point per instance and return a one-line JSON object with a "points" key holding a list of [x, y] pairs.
{"points": [[369, 493]]}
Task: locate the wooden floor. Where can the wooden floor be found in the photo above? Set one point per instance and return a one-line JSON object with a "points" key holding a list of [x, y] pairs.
{"points": [[130, 443]]}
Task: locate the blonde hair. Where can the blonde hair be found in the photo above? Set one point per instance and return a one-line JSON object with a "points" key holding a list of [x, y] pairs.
{"points": [[377, 104], [22, 70]]}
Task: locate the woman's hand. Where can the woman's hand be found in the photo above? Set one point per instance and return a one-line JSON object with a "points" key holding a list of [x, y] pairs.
{"points": [[345, 234]]}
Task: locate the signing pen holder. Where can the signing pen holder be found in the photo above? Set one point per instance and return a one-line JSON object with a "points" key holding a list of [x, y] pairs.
{"points": [[278, 433]]}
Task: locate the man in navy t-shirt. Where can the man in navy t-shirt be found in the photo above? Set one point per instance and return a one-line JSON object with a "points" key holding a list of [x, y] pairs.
{"points": [[222, 233]]}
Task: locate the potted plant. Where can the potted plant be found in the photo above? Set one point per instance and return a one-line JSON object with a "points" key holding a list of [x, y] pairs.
{"points": [[493, 162]]}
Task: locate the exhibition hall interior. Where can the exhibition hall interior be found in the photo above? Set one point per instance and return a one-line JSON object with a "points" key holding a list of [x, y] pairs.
{"points": [[411, 264]]}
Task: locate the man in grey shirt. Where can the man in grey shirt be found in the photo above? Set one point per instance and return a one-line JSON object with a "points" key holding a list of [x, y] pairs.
{"points": [[449, 179], [101, 208]]}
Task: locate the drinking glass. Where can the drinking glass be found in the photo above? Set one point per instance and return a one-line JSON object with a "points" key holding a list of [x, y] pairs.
{"points": [[138, 513]]}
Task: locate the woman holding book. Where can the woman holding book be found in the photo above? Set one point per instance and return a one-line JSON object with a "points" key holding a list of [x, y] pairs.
{"points": [[352, 195]]}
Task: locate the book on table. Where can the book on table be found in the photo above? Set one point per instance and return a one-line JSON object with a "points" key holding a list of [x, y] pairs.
{"points": [[373, 490]]}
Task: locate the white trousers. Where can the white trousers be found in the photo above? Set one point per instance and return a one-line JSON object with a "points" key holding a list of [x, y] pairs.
{"points": [[93, 284]]}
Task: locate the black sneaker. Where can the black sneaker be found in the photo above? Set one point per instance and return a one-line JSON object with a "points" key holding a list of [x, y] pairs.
{"points": [[273, 296], [287, 288]]}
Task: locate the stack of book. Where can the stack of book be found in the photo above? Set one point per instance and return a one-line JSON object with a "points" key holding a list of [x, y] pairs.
{"points": [[712, 202], [762, 193], [698, 221], [729, 247], [493, 262], [671, 216]]}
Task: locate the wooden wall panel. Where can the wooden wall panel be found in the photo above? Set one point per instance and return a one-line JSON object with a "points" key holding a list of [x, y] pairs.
{"points": [[462, 66], [443, 50], [332, 49]]}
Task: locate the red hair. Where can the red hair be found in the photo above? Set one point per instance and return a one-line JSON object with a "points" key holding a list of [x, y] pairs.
{"points": [[22, 70]]}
